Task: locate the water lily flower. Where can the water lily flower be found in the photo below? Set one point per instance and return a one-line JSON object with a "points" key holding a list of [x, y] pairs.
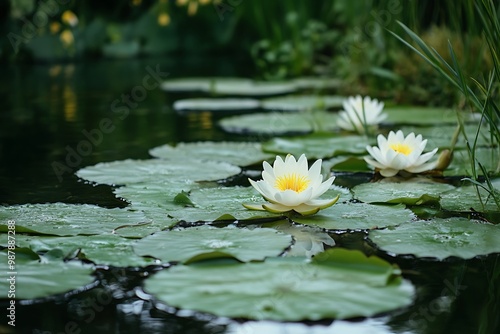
{"points": [[290, 186], [398, 153], [360, 113]]}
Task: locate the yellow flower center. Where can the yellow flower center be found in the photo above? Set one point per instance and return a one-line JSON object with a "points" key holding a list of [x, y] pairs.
{"points": [[401, 148], [293, 181]]}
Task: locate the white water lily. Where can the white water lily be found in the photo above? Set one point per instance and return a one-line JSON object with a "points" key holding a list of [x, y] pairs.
{"points": [[360, 113], [289, 185], [398, 153]]}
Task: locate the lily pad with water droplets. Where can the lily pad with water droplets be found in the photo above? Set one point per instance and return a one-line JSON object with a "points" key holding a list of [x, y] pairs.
{"points": [[125, 172], [206, 204], [108, 249], [236, 153], [440, 238], [406, 192], [279, 123], [358, 216], [46, 277], [336, 284], [205, 242], [68, 219], [318, 145], [465, 198], [303, 102]]}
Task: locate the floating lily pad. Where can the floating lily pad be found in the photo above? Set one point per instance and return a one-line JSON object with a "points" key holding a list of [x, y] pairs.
{"points": [[317, 83], [67, 219], [303, 102], [421, 115], [351, 164], [465, 199], [440, 136], [157, 170], [199, 84], [216, 104], [252, 88], [35, 279], [461, 166], [318, 145], [205, 242], [110, 250], [206, 204], [236, 153], [356, 216], [279, 123], [340, 284], [406, 192], [440, 238]]}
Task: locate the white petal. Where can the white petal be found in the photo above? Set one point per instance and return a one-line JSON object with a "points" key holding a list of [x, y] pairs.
{"points": [[264, 189], [422, 168], [293, 198], [374, 163], [425, 157], [276, 207], [323, 203], [322, 188], [388, 172]]}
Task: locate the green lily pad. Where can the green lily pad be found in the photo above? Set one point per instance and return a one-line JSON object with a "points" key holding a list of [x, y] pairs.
{"points": [[303, 102], [440, 238], [252, 88], [356, 216], [465, 199], [421, 115], [279, 123], [440, 136], [216, 104], [110, 250], [68, 219], [351, 164], [409, 192], [157, 170], [317, 83], [199, 84], [340, 284], [37, 279], [318, 145], [461, 166], [235, 153], [205, 242]]}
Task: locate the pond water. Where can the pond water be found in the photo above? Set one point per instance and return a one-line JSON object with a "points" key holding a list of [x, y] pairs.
{"points": [[47, 111]]}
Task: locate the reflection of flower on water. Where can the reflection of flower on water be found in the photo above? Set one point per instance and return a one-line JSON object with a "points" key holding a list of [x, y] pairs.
{"points": [[309, 241], [290, 186], [397, 152], [361, 113]]}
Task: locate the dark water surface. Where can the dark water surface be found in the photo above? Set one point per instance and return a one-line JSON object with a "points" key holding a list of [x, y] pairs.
{"points": [[57, 118]]}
